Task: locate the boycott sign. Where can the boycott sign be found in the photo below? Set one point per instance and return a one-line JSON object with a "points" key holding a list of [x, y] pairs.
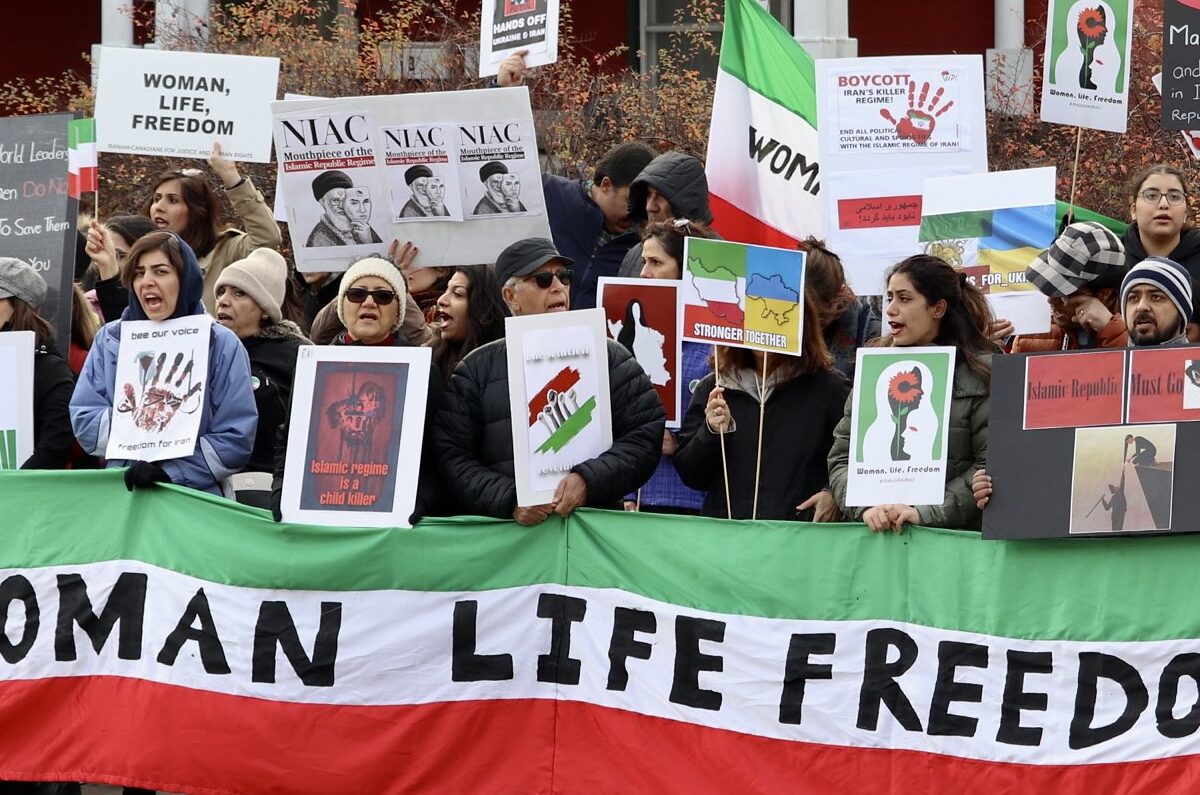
{"points": [[510, 25], [176, 104], [1180, 65], [37, 217]]}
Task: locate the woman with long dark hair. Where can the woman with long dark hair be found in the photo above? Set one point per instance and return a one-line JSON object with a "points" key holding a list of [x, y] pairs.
{"points": [[184, 203], [468, 314], [930, 303]]}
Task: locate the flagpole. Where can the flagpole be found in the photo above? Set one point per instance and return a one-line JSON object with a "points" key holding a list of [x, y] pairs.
{"points": [[724, 460], [762, 410], [1074, 173]]}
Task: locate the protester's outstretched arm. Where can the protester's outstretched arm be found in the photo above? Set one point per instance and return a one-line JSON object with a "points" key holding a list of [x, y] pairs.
{"points": [[257, 216]]}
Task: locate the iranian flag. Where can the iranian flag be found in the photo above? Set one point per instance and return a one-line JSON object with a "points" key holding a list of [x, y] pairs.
{"points": [[176, 641], [762, 169], [82, 160]]}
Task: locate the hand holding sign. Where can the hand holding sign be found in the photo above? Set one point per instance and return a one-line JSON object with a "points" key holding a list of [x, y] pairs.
{"points": [[223, 167], [512, 69]]}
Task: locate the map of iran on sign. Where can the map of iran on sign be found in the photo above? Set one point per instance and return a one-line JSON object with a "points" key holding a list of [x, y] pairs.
{"points": [[742, 295]]}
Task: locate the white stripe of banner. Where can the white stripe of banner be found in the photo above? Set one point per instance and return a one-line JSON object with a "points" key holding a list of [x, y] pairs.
{"points": [[778, 183], [709, 669]]}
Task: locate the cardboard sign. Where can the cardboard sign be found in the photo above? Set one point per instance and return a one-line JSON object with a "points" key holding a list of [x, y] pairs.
{"points": [[559, 392], [901, 419], [161, 383], [887, 125], [506, 26], [176, 104], [1099, 455], [643, 315], [16, 399], [355, 436], [456, 173], [1085, 82], [742, 295], [37, 217]]}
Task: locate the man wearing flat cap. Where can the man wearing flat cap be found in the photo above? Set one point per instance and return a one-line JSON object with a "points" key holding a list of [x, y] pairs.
{"points": [[334, 228], [501, 190], [474, 429], [428, 194], [1080, 275]]}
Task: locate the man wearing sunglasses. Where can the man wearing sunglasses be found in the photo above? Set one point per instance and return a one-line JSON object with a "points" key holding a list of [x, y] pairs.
{"points": [[474, 430]]}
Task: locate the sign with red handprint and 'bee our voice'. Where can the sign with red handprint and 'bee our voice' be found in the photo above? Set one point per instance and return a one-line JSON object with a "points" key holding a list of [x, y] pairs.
{"points": [[886, 125], [162, 376]]}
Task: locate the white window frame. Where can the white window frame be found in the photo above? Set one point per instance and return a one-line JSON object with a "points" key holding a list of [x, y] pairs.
{"points": [[651, 32]]}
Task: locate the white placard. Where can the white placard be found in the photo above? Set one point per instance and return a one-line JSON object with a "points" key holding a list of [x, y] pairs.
{"points": [[422, 172], [886, 125], [16, 398], [161, 384], [176, 104], [506, 26], [490, 147], [1086, 72], [355, 435], [900, 426], [559, 394]]}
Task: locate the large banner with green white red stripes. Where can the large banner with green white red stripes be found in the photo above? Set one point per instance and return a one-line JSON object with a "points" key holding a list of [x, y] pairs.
{"points": [[173, 640]]}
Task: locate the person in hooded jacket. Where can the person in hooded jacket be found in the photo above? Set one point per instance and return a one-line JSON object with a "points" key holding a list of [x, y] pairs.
{"points": [[22, 291], [673, 185], [1158, 206], [165, 282], [250, 295]]}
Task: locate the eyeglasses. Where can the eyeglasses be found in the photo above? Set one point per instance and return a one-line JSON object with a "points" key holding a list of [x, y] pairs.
{"points": [[356, 295], [544, 279], [1154, 196]]}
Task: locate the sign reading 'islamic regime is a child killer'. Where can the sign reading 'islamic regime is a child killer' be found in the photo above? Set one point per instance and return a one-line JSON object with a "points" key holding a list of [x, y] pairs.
{"points": [[176, 104]]}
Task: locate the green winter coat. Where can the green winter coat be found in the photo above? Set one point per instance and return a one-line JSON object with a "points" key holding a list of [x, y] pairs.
{"points": [[967, 452]]}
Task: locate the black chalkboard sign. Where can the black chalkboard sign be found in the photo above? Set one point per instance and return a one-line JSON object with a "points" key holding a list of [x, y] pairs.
{"points": [[37, 217], [1181, 65]]}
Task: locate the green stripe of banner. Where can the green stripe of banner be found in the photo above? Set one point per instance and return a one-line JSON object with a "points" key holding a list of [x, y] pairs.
{"points": [[953, 226], [1122, 589], [760, 52]]}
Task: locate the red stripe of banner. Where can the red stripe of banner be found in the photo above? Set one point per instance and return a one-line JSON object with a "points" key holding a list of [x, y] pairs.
{"points": [[733, 223], [128, 732]]}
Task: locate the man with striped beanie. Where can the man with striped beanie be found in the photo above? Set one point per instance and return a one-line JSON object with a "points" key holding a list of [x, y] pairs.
{"points": [[1156, 302]]}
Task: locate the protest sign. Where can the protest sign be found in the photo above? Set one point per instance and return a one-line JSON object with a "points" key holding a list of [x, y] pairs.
{"points": [[1191, 138], [176, 104], [742, 295], [160, 388], [355, 436], [1089, 442], [1181, 65], [506, 26], [480, 145], [1085, 81], [558, 390], [16, 399], [991, 226], [901, 421], [887, 125], [37, 214], [643, 315]]}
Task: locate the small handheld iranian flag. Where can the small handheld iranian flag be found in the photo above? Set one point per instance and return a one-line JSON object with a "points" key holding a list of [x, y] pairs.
{"points": [[82, 160]]}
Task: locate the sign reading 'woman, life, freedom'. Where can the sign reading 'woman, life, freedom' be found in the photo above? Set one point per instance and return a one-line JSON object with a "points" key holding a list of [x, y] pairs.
{"points": [[176, 104]]}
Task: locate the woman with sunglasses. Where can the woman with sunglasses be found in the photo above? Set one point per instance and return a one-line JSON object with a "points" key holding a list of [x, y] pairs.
{"points": [[165, 282], [108, 245], [184, 203], [1158, 206]]}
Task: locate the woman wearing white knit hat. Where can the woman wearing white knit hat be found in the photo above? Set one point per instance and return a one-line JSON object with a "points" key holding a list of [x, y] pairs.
{"points": [[250, 294]]}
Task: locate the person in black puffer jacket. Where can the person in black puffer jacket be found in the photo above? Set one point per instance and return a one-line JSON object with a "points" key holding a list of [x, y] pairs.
{"points": [[474, 427]]}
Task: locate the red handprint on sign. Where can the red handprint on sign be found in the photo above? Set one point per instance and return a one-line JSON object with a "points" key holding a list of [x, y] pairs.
{"points": [[918, 123], [160, 400]]}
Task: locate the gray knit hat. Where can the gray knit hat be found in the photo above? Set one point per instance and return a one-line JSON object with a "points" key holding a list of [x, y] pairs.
{"points": [[1085, 255], [374, 266], [263, 276], [19, 280]]}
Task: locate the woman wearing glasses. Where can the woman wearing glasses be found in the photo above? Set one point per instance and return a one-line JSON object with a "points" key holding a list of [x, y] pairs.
{"points": [[1158, 205], [165, 282], [184, 203]]}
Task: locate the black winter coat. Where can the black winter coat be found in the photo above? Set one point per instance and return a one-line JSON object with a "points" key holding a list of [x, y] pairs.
{"points": [[53, 384], [272, 368], [1186, 253], [797, 434], [474, 434]]}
